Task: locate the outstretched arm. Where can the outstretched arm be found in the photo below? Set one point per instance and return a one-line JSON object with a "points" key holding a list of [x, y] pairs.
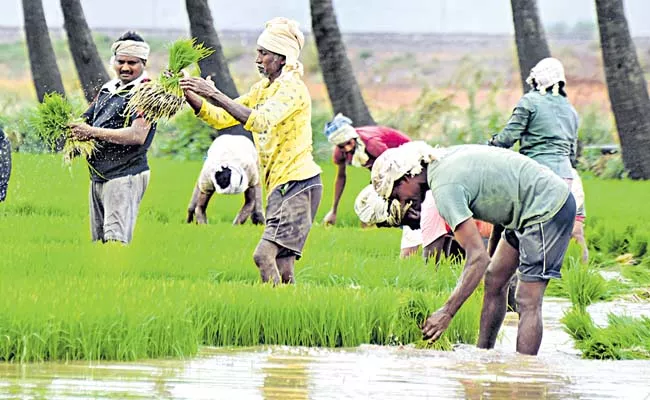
{"points": [[469, 237], [497, 230], [192, 206], [194, 88], [515, 127], [247, 208], [258, 216], [201, 207], [434, 250], [136, 134], [339, 186]]}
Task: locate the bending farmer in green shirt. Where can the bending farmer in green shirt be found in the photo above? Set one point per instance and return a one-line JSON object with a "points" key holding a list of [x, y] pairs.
{"points": [[497, 186]]}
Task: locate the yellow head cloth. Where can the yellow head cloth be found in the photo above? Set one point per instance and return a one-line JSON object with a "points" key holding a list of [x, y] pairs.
{"points": [[283, 36]]}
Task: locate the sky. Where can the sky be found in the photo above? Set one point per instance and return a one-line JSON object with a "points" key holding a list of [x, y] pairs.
{"points": [[419, 16]]}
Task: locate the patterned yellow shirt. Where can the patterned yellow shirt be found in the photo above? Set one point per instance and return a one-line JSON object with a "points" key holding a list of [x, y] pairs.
{"points": [[281, 126]]}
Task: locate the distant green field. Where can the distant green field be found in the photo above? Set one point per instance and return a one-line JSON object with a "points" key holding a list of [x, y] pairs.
{"points": [[178, 286]]}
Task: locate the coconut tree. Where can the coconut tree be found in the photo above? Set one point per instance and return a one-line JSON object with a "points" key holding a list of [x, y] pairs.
{"points": [[628, 90], [529, 36], [45, 71], [342, 86], [202, 28], [90, 68]]}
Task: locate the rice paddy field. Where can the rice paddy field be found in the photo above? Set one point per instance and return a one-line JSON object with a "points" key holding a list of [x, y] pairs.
{"points": [[178, 287]]}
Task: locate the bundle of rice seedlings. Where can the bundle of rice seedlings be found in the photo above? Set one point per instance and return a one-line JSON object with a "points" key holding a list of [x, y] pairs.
{"points": [[578, 323], [163, 98], [51, 121]]}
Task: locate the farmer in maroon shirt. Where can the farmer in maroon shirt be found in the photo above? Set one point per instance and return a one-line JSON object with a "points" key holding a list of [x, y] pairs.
{"points": [[360, 147]]}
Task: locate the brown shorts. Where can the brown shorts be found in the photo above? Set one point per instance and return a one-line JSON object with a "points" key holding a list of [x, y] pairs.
{"points": [[290, 211]]}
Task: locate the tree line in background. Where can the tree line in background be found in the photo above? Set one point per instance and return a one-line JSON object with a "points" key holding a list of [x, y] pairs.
{"points": [[627, 86]]}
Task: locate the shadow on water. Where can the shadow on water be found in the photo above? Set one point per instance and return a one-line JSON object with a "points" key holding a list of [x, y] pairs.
{"points": [[365, 372]]}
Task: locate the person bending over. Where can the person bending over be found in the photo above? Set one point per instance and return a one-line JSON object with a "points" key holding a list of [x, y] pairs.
{"points": [[501, 187], [437, 237], [231, 167], [360, 147]]}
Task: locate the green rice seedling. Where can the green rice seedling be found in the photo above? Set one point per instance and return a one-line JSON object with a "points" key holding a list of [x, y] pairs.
{"points": [[639, 274], [177, 287], [51, 120], [624, 338], [583, 283], [638, 245], [578, 324], [163, 98]]}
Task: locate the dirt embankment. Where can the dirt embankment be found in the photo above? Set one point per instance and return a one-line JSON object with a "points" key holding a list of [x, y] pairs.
{"points": [[392, 69]]}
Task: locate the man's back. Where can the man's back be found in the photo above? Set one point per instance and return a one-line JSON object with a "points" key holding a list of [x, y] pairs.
{"points": [[494, 185]]}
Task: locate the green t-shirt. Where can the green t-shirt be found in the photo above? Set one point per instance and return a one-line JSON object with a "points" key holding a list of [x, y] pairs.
{"points": [[546, 127], [495, 185]]}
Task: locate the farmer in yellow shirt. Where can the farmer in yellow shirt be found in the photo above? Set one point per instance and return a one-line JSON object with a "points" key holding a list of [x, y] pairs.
{"points": [[277, 110]]}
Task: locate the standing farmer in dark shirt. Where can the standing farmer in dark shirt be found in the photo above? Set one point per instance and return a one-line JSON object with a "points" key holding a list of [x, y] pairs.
{"points": [[119, 171]]}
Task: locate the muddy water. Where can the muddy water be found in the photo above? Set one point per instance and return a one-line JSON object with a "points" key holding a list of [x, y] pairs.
{"points": [[364, 372]]}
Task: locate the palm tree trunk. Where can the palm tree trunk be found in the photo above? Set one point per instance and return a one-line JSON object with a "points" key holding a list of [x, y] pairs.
{"points": [[202, 28], [628, 90], [342, 86], [90, 68], [529, 36], [45, 71]]}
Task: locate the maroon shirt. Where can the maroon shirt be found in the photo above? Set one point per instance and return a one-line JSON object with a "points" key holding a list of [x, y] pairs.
{"points": [[377, 139]]}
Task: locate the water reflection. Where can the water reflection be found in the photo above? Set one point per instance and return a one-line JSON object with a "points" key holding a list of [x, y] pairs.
{"points": [[365, 372], [285, 377]]}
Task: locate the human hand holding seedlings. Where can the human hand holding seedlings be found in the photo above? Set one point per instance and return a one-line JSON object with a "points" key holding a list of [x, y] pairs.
{"points": [[193, 98], [195, 87], [81, 131], [202, 87], [330, 218], [436, 325]]}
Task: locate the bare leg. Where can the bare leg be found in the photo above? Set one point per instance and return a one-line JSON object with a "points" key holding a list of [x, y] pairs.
{"points": [[579, 235], [529, 334], [265, 259], [503, 265], [286, 265]]}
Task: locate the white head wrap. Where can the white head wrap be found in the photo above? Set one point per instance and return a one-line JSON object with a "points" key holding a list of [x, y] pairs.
{"points": [[130, 48], [547, 74], [339, 131], [397, 162], [373, 209], [238, 180], [283, 36]]}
